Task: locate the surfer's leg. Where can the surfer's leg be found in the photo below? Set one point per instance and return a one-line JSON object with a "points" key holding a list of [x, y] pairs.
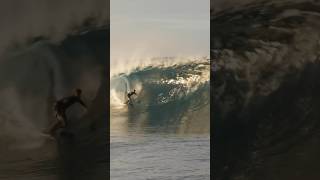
{"points": [[129, 101], [54, 127], [60, 122], [63, 119]]}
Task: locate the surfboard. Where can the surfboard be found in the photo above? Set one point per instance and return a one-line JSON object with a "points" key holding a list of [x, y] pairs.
{"points": [[62, 133], [129, 103], [47, 136]]}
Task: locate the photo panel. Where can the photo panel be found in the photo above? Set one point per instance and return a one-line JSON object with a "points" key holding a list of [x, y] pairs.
{"points": [[265, 89], [54, 69], [159, 89]]}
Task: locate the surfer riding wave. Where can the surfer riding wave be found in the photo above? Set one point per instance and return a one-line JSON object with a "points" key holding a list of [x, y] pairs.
{"points": [[129, 96], [163, 96], [184, 86], [60, 108]]}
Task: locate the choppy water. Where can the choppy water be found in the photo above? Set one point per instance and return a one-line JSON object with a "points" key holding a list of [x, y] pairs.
{"points": [[158, 156]]}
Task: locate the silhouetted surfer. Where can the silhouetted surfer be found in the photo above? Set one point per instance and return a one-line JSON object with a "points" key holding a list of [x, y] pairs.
{"points": [[60, 108], [129, 96]]}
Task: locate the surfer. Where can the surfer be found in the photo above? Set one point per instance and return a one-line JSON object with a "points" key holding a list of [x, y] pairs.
{"points": [[129, 96], [60, 108]]}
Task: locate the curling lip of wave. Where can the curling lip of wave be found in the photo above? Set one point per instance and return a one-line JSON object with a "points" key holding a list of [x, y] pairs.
{"points": [[127, 66], [251, 50]]}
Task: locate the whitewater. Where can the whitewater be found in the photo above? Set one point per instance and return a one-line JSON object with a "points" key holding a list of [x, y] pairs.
{"points": [[165, 134]]}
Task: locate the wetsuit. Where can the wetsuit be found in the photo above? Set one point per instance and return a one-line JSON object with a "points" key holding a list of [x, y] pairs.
{"points": [[62, 105], [129, 96]]}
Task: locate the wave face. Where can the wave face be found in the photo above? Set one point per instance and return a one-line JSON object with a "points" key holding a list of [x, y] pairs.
{"points": [[265, 72], [168, 96]]}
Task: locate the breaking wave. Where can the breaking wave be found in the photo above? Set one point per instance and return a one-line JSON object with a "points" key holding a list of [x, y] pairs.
{"points": [[34, 76], [167, 94]]}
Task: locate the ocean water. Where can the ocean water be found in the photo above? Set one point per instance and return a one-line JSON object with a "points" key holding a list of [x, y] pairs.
{"points": [[159, 156], [165, 134]]}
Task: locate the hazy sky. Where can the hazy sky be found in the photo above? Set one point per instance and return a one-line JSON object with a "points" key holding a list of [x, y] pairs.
{"points": [[54, 19], [153, 28]]}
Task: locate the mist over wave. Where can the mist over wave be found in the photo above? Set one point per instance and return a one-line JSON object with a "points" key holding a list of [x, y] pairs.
{"points": [[24, 20], [127, 65]]}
